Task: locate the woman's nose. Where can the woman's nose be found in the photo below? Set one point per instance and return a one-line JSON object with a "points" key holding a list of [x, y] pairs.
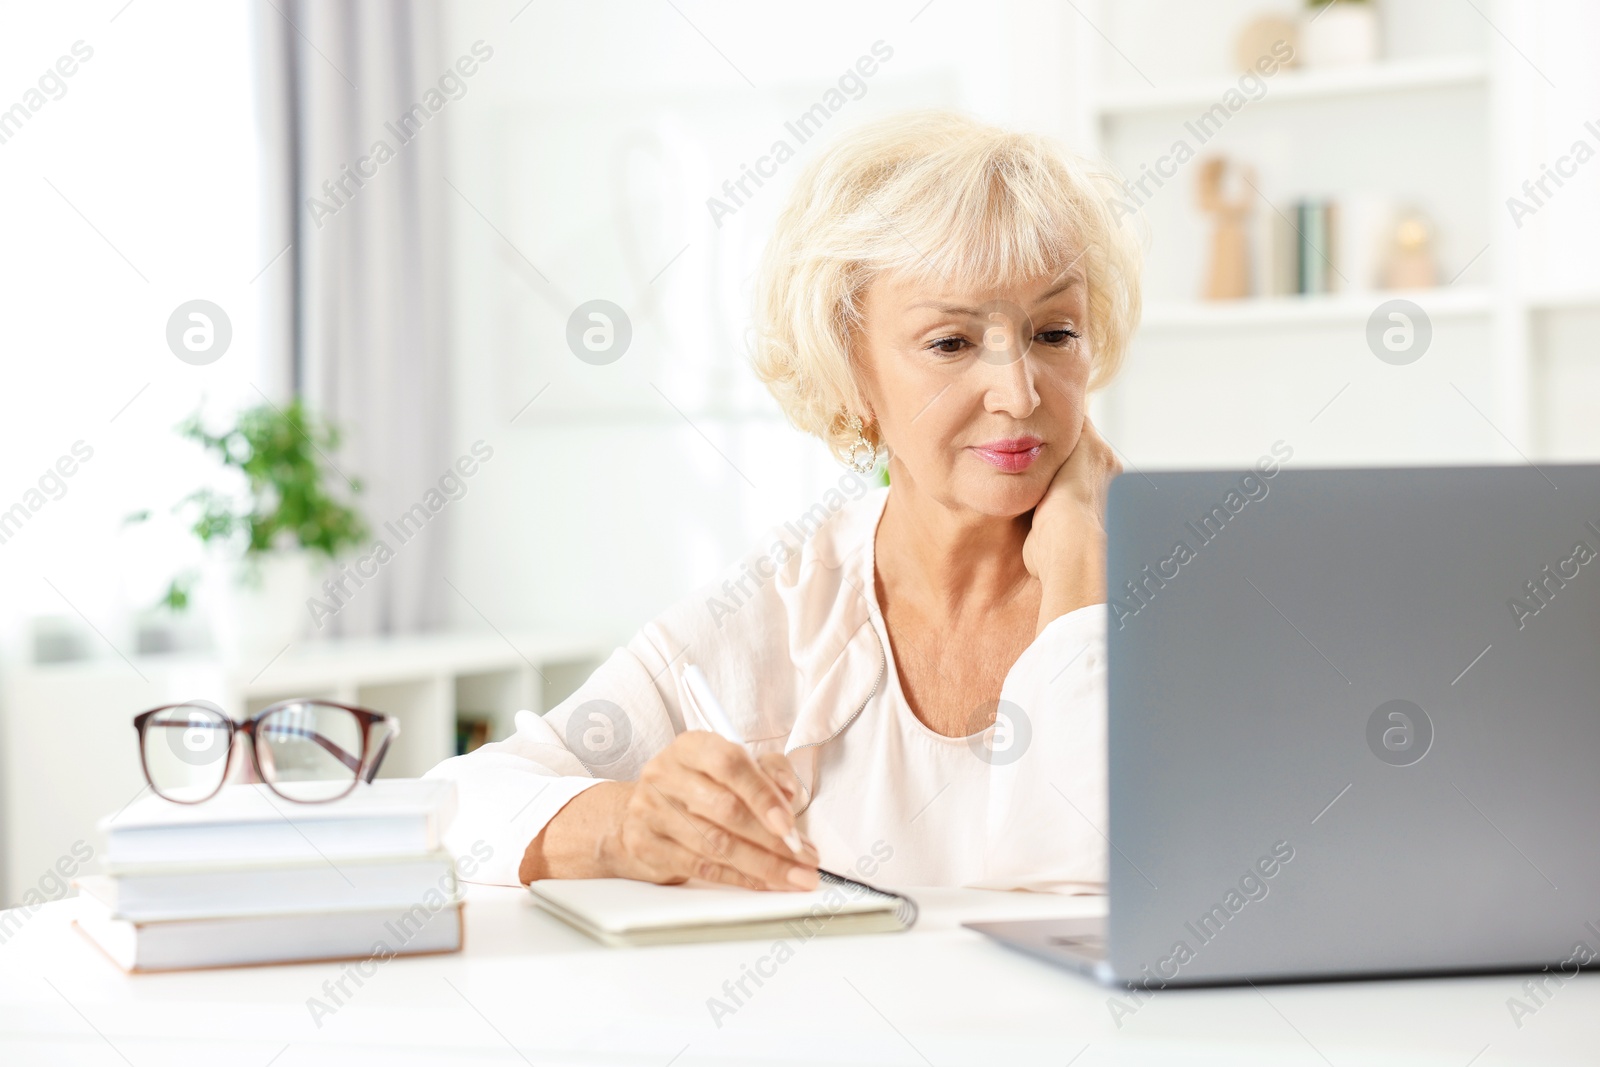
{"points": [[1012, 388]]}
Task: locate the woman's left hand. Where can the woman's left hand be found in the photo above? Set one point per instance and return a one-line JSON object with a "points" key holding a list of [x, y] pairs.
{"points": [[1066, 545]]}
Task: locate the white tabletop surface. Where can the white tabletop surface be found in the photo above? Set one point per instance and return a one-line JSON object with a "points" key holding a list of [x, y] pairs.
{"points": [[527, 989]]}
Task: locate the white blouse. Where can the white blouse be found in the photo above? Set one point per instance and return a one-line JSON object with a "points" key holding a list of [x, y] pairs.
{"points": [[795, 645], [926, 807]]}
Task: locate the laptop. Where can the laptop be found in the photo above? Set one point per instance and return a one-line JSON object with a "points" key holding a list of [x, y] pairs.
{"points": [[1354, 727]]}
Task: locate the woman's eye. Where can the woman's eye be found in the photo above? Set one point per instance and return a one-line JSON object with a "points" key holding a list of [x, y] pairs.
{"points": [[954, 345]]}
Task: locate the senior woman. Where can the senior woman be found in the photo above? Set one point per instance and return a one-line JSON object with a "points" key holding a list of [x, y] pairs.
{"points": [[917, 673]]}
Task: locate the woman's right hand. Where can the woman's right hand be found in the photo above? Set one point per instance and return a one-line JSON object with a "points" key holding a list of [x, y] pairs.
{"points": [[704, 808]]}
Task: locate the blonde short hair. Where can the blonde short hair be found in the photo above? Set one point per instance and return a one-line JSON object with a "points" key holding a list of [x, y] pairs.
{"points": [[933, 195]]}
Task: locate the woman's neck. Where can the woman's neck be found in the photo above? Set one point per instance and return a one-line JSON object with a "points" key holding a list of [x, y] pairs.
{"points": [[951, 562]]}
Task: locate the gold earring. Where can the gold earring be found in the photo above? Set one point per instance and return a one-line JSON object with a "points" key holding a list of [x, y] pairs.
{"points": [[863, 455]]}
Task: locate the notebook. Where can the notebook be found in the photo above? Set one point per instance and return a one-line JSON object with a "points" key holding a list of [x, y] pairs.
{"points": [[389, 817], [621, 912], [198, 891], [201, 943]]}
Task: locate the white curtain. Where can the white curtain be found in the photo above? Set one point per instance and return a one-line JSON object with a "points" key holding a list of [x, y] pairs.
{"points": [[361, 309]]}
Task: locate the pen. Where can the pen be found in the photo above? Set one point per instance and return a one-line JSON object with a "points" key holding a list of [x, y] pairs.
{"points": [[722, 723]]}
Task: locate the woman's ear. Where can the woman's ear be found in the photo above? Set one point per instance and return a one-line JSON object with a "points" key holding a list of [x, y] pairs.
{"points": [[877, 435]]}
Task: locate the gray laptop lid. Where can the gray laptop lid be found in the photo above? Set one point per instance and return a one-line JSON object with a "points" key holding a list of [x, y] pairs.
{"points": [[1354, 721]]}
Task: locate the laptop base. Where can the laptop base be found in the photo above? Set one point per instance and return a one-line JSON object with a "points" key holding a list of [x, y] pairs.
{"points": [[1076, 944]]}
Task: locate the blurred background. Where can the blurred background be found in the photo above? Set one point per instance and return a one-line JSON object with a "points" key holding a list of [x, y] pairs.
{"points": [[395, 351]]}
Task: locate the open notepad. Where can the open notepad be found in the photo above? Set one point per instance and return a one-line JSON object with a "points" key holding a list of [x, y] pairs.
{"points": [[621, 912]]}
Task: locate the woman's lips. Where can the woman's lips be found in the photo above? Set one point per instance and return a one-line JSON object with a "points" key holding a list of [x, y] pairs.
{"points": [[1011, 456]]}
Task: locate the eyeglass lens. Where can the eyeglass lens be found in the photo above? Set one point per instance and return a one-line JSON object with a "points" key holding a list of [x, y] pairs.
{"points": [[186, 751], [309, 751]]}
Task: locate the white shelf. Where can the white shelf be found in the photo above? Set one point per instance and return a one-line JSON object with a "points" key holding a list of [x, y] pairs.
{"points": [[1315, 310], [313, 665], [1566, 300], [1388, 77]]}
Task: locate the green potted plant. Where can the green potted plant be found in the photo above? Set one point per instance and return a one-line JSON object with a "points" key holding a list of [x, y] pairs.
{"points": [[284, 517]]}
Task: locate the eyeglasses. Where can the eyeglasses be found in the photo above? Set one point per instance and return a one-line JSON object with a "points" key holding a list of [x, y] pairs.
{"points": [[307, 751]]}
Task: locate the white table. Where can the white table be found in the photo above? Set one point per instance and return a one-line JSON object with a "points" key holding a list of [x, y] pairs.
{"points": [[528, 989]]}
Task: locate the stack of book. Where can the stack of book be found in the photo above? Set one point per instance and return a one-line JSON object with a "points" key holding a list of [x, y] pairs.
{"points": [[248, 877]]}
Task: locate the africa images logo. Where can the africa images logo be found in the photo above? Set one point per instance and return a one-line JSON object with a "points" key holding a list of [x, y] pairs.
{"points": [[1399, 733]]}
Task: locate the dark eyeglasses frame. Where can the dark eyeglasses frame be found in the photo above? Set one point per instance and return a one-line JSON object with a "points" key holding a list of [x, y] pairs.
{"points": [[370, 720]]}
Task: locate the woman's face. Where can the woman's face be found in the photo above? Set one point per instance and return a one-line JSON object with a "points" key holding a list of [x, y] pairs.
{"points": [[979, 394]]}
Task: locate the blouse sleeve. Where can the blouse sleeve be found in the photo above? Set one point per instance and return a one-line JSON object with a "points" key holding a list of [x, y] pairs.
{"points": [[629, 710], [507, 791]]}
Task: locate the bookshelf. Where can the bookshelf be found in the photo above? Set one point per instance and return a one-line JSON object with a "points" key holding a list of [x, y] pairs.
{"points": [[1314, 309], [1394, 76], [1451, 121]]}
